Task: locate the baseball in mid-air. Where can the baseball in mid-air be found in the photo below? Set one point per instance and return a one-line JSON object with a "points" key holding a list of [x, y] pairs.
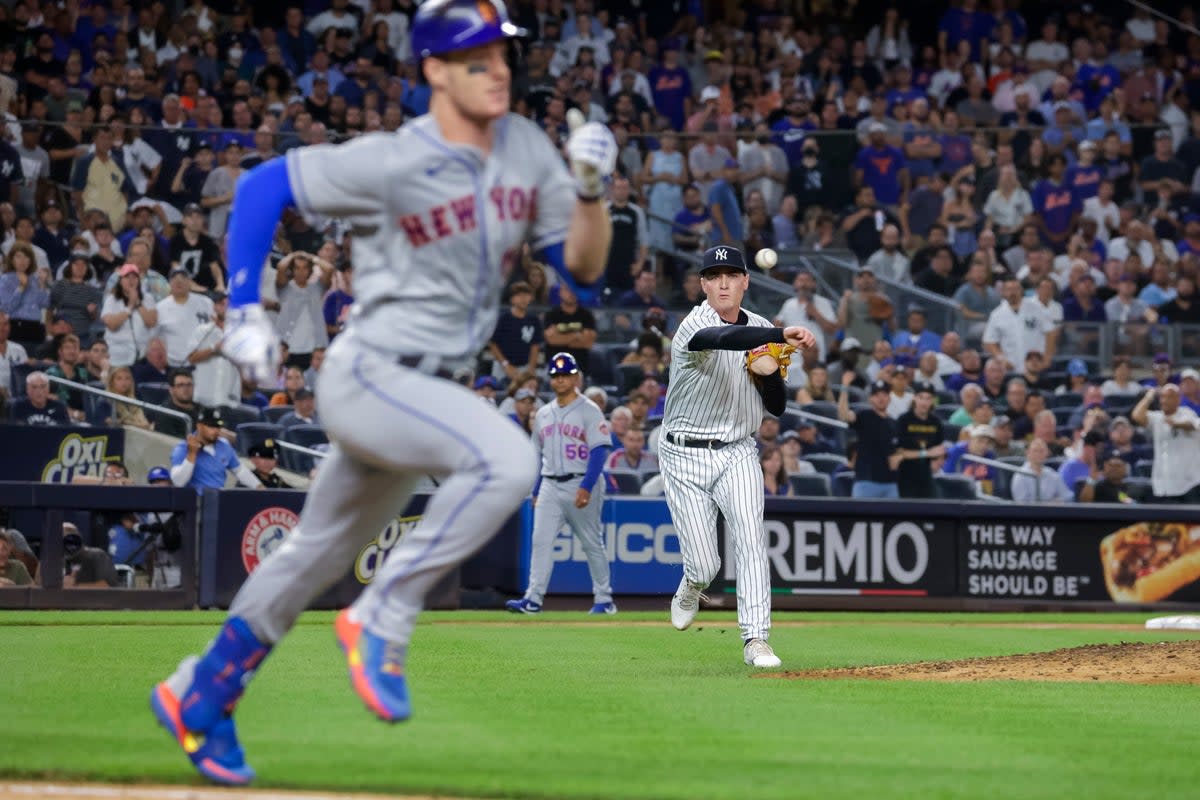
{"points": [[766, 259]]}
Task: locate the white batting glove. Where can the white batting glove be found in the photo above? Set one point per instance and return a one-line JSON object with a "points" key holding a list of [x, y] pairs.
{"points": [[592, 151], [251, 343]]}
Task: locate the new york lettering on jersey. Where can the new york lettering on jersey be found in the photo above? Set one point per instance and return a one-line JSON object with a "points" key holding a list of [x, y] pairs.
{"points": [[568, 435], [438, 227]]}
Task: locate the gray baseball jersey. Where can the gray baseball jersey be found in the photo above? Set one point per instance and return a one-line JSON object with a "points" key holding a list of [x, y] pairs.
{"points": [[711, 397], [565, 437], [437, 227], [437, 230], [709, 394]]}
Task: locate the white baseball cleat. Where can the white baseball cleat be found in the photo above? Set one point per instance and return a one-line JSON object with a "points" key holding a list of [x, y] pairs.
{"points": [[758, 653], [685, 604]]}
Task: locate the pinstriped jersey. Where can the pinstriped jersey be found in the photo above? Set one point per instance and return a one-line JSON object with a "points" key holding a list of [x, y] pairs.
{"points": [[710, 395], [566, 435], [437, 227]]}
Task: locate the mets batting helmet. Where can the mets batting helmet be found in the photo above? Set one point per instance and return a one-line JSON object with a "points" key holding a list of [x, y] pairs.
{"points": [[563, 364], [443, 26], [158, 474]]}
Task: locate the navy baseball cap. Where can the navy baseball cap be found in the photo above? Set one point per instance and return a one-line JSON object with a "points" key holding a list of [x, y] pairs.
{"points": [[724, 256], [264, 449], [158, 474], [212, 417], [485, 380], [563, 364]]}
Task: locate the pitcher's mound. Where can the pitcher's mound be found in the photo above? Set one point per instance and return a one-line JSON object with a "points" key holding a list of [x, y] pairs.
{"points": [[1128, 662]]}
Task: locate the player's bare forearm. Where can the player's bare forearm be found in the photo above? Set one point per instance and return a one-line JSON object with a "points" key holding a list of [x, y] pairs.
{"points": [[588, 237]]}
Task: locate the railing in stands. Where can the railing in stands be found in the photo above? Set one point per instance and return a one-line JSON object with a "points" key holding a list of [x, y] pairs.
{"points": [[991, 462], [120, 398]]}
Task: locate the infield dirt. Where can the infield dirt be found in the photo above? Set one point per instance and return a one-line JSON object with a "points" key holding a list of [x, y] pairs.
{"points": [[1128, 662]]}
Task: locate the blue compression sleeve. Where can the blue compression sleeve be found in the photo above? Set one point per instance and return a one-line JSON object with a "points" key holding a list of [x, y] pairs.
{"points": [[262, 195], [589, 294], [595, 466], [537, 485]]}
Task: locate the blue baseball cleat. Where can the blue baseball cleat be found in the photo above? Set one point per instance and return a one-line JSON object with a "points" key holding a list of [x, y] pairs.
{"points": [[216, 755], [523, 606], [604, 608], [376, 669]]}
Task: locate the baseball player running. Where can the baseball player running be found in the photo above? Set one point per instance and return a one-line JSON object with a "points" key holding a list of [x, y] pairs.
{"points": [[440, 210], [573, 440], [709, 461]]}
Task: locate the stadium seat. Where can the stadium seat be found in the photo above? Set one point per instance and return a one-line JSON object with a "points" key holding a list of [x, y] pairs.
{"points": [[1119, 405], [1067, 400], [948, 398], [944, 413], [825, 463], [1143, 468], [951, 432], [251, 433], [1062, 414], [18, 375], [955, 487], [306, 436], [156, 393], [273, 414], [822, 409], [624, 483], [843, 484], [236, 415], [810, 485]]}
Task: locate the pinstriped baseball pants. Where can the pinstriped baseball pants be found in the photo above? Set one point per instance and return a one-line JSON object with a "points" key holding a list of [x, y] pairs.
{"points": [[698, 483]]}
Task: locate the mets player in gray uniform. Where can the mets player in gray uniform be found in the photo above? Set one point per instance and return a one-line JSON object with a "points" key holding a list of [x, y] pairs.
{"points": [[573, 440], [439, 211], [707, 453]]}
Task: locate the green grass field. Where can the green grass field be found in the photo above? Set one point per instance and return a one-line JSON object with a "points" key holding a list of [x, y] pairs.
{"points": [[564, 706]]}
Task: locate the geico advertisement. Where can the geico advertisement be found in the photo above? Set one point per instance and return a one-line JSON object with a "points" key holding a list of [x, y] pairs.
{"points": [[853, 556], [640, 541]]}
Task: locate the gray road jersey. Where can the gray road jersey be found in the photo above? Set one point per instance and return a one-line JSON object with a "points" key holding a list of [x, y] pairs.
{"points": [[565, 436], [437, 227], [710, 396]]}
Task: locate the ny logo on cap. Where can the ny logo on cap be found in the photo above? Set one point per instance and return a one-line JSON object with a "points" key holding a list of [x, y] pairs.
{"points": [[721, 254]]}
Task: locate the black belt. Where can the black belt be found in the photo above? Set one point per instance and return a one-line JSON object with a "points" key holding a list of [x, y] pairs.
{"points": [[414, 362], [561, 478], [707, 444]]}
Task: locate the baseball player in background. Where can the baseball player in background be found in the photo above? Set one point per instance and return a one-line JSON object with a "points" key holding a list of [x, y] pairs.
{"points": [[573, 441], [715, 402], [440, 209]]}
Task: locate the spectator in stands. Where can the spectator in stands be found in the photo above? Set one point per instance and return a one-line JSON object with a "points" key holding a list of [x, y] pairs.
{"points": [[1189, 388], [202, 460], [304, 410], [1006, 443], [24, 296], [723, 207], [66, 366], [890, 260], [216, 377], [630, 237], [11, 353], [970, 369], [810, 310], [995, 373], [120, 381], [1161, 372], [901, 397], [38, 407], [1111, 488], [917, 339], [85, 567], [1121, 384], [524, 404], [13, 571], [180, 397], [882, 167], [1046, 486], [919, 441], [180, 314], [1175, 476], [335, 308], [790, 447], [663, 178], [486, 387], [571, 328], [693, 223], [75, 298], [862, 222], [129, 316], [517, 341], [1008, 207], [126, 544], [875, 473], [632, 457], [1086, 465], [970, 398], [1124, 307], [775, 477], [1054, 204], [1120, 442], [864, 310], [152, 367], [293, 381], [881, 357], [643, 295], [811, 440], [195, 252], [264, 456], [153, 285], [818, 388], [1183, 308], [302, 279], [979, 443], [1015, 327], [1081, 304], [1162, 176]]}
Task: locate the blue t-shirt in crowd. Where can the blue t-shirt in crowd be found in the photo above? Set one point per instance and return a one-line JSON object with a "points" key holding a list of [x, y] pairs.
{"points": [[1096, 83], [1056, 203], [210, 469], [1084, 181], [724, 196], [956, 152], [881, 171], [670, 87], [968, 26], [790, 137], [905, 343]]}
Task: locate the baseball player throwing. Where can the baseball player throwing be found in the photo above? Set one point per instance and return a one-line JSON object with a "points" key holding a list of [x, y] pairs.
{"points": [[573, 440], [709, 461], [440, 210]]}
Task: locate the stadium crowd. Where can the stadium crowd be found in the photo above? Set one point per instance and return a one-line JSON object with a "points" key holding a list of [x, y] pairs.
{"points": [[1033, 167]]}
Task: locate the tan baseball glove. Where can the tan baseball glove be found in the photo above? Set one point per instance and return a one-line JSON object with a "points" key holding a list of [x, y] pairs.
{"points": [[766, 359]]}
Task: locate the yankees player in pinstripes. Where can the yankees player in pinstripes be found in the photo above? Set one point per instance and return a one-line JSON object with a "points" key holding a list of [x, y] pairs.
{"points": [[573, 440], [439, 210], [707, 453]]}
